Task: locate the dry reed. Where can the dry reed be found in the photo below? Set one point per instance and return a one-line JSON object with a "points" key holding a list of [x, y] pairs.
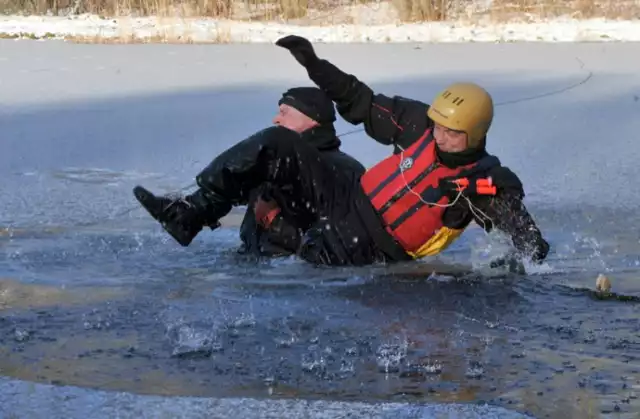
{"points": [[286, 10]]}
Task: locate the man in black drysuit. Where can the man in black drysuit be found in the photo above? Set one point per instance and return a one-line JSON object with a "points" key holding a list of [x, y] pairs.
{"points": [[308, 111], [344, 225], [346, 228]]}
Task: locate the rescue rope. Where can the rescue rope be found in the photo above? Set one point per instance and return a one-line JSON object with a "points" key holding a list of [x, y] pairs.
{"points": [[475, 210], [524, 99]]}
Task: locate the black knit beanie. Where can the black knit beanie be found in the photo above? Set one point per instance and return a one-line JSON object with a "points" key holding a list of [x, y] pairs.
{"points": [[312, 102]]}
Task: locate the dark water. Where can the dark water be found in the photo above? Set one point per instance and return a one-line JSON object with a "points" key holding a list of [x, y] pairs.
{"points": [[138, 313]]}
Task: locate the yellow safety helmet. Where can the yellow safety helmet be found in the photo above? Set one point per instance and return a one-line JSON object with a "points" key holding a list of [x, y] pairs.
{"points": [[464, 107]]}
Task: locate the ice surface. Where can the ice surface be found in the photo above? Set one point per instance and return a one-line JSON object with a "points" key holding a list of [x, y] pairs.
{"points": [[169, 109], [70, 402]]}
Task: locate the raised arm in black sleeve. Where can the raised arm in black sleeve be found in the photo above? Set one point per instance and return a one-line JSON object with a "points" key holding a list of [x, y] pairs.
{"points": [[388, 120]]}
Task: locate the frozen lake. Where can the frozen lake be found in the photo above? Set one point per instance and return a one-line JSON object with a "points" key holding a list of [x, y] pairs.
{"points": [[93, 295]]}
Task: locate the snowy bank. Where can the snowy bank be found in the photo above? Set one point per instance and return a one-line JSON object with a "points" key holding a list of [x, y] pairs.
{"points": [[91, 28]]}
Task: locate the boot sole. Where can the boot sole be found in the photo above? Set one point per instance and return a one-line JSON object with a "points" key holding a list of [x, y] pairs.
{"points": [[146, 198]]}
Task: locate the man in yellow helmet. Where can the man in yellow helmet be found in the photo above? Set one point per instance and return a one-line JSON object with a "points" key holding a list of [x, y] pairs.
{"points": [[415, 190], [412, 204]]}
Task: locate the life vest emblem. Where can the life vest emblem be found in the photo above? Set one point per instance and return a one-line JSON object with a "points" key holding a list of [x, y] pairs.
{"points": [[406, 164]]}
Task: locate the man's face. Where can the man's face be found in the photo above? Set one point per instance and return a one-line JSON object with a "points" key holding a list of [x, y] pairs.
{"points": [[290, 117], [448, 140]]}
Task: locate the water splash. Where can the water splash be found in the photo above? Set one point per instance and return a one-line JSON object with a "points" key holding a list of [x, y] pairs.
{"points": [[389, 356], [189, 340]]}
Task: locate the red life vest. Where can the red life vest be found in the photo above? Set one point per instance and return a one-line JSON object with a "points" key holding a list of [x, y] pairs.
{"points": [[407, 218]]}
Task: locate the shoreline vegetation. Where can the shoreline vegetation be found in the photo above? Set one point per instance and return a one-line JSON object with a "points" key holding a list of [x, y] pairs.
{"points": [[225, 21]]}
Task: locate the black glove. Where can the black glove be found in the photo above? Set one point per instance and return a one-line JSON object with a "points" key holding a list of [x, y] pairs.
{"points": [[300, 48]]}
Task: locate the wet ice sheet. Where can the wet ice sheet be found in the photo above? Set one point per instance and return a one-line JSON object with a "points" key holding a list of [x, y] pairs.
{"points": [[158, 113], [38, 400]]}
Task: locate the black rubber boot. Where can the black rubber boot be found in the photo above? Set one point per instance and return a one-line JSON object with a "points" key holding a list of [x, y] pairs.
{"points": [[183, 218], [226, 181]]}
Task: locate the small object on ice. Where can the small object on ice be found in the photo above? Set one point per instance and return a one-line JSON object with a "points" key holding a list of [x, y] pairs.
{"points": [[603, 284]]}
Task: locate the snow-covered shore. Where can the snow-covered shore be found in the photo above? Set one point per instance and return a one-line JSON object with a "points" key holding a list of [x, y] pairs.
{"points": [[92, 28]]}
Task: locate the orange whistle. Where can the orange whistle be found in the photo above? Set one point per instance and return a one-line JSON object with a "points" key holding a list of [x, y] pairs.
{"points": [[487, 190], [483, 186]]}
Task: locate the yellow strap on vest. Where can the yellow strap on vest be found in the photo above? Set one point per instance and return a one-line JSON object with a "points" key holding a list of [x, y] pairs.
{"points": [[437, 243]]}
